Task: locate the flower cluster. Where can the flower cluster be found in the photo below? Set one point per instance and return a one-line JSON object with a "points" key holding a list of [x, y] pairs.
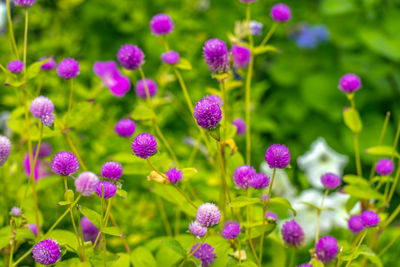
{"points": [[42, 107]]}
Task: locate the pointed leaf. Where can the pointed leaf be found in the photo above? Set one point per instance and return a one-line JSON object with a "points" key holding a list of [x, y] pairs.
{"points": [[92, 216], [183, 64], [352, 120]]}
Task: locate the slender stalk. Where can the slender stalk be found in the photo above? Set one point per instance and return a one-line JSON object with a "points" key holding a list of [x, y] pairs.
{"points": [[164, 216], [269, 34], [40, 85], [165, 42], [11, 30], [249, 228], [319, 215], [248, 88], [71, 94], [177, 222], [396, 179], [240, 251], [122, 237], [356, 145], [358, 246], [291, 261], [224, 191]]}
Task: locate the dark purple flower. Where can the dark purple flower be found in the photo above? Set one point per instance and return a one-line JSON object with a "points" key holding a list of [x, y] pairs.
{"points": [[349, 83], [255, 27], [41, 106], [170, 57], [112, 78], [242, 176], [44, 150], [24, 3], [326, 249], [15, 211], [161, 24], [241, 56], [34, 229], [293, 234], [68, 68], [107, 187], [89, 230], [15, 66], [271, 216], [216, 55], [231, 230], [130, 57], [111, 170], [26, 163], [280, 13], [330, 180], [46, 252], [277, 156], [384, 167], [48, 119], [49, 63], [259, 181], [125, 128], [197, 229], [205, 253], [140, 88], [240, 126], [174, 175], [207, 113], [370, 218], [86, 183], [5, 149], [208, 215], [64, 163], [144, 145], [355, 224]]}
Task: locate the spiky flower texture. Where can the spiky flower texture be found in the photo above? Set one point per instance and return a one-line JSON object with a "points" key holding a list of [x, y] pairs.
{"points": [[64, 163], [46, 252]]}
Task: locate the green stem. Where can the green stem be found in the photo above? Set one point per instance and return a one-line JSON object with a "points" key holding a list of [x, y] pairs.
{"points": [[71, 94], [319, 215], [356, 145], [224, 191], [269, 34], [396, 179], [248, 89], [291, 261], [358, 246], [164, 216], [11, 30]]}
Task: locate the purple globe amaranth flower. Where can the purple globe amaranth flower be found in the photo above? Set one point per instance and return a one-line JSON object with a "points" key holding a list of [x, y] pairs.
{"points": [[355, 224], [370, 218], [305, 265], [330, 180], [15, 211], [107, 187], [207, 113], [5, 149], [256, 27], [215, 99], [125, 128], [130, 57], [48, 63], [205, 253], [271, 216], [170, 57], [112, 78], [241, 56], [384, 167], [293, 234], [277, 156], [326, 249], [259, 181], [15, 66], [349, 83], [37, 170], [208, 215], [64, 163], [242, 176], [281, 13], [48, 119], [197, 229], [231, 230], [144, 145], [140, 88], [174, 175], [111, 170], [89, 230], [240, 126], [44, 150], [86, 183], [68, 68], [161, 24], [216, 55], [46, 252], [34, 229], [24, 3], [41, 106]]}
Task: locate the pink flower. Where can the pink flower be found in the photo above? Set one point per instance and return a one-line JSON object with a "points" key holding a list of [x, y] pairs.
{"points": [[109, 73]]}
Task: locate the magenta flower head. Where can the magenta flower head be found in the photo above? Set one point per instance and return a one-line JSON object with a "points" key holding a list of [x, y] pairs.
{"points": [[216, 55], [207, 113], [140, 88], [41, 106], [107, 187], [5, 149], [15, 211], [64, 163], [370, 218], [15, 66], [208, 215], [26, 164], [130, 57], [197, 229], [112, 78], [326, 248], [277, 156], [46, 252], [174, 175], [24, 3], [293, 234], [330, 180], [280, 13], [205, 253], [306, 265], [241, 56], [349, 83], [242, 176], [384, 167], [259, 181], [125, 128], [86, 183], [170, 57], [34, 229], [355, 224], [68, 68], [111, 170], [48, 63], [271, 216], [161, 24], [89, 230], [240, 126], [144, 145], [44, 151], [231, 230]]}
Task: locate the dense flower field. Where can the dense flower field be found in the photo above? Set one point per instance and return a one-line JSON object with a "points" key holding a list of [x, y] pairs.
{"points": [[163, 141]]}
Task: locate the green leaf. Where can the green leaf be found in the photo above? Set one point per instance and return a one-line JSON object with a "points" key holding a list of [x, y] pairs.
{"points": [[65, 238], [142, 257], [142, 112], [381, 43], [352, 120], [122, 193], [33, 70], [362, 191], [316, 263], [97, 259], [183, 64], [221, 76], [257, 231], [69, 195], [354, 179], [352, 254], [123, 260], [311, 205], [243, 201], [283, 202], [189, 172], [76, 117], [92, 216], [72, 262], [337, 7], [264, 49], [175, 246], [111, 231], [215, 132], [351, 202], [382, 151]]}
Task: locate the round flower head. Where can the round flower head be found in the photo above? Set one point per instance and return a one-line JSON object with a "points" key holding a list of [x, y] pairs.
{"points": [[174, 175], [216, 55], [205, 253], [197, 229], [46, 252], [207, 113], [111, 170], [125, 128], [140, 88], [259, 181], [170, 57], [15, 211], [68, 68], [15, 66], [107, 187], [5, 149], [231, 230], [130, 56], [86, 183], [384, 167], [293, 234], [215, 99], [370, 218], [242, 176], [326, 249], [34, 229], [277, 156], [44, 150], [24, 3], [49, 63], [64, 163], [280, 13], [349, 83], [208, 215], [330, 180], [161, 24], [89, 230], [240, 126], [271, 216], [48, 119], [355, 224], [41, 106], [144, 145], [241, 56], [255, 27]]}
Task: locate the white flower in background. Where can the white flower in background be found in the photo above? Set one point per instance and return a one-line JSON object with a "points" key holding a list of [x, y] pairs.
{"points": [[282, 185], [3, 17], [320, 160]]}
